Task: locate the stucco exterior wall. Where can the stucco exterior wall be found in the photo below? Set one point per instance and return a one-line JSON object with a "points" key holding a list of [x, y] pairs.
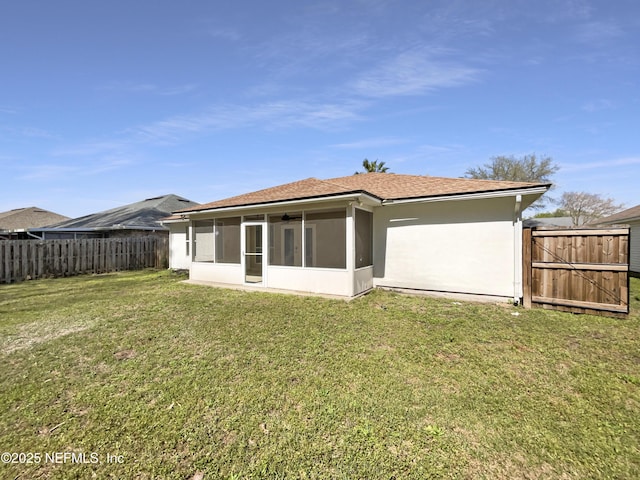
{"points": [[230, 273], [328, 281], [464, 246], [178, 257]]}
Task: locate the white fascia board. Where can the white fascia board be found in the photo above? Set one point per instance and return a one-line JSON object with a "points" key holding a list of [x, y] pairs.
{"points": [[622, 221], [284, 203], [469, 196], [177, 220]]}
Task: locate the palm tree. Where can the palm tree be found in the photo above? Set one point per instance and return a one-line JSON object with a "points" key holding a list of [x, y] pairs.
{"points": [[373, 167]]}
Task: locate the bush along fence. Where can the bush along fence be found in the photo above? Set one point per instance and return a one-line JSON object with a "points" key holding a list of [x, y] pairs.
{"points": [[30, 259]]}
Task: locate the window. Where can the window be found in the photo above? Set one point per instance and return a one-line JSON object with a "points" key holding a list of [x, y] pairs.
{"points": [[285, 239], [326, 239], [228, 240], [203, 241], [364, 238]]}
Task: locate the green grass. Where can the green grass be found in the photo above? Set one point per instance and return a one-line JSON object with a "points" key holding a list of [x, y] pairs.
{"points": [[182, 380]]}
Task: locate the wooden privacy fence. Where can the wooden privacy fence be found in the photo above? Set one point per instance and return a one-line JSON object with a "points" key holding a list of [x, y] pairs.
{"points": [[31, 259], [580, 271]]}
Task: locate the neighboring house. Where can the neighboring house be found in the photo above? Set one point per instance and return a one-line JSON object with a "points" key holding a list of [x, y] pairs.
{"points": [[548, 222], [15, 223], [140, 218], [344, 236], [630, 217]]}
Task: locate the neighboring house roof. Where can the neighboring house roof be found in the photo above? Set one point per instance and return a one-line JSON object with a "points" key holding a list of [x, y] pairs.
{"points": [[628, 215], [383, 186], [143, 215], [29, 217], [564, 222]]}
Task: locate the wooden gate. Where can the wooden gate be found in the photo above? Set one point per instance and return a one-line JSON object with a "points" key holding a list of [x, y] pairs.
{"points": [[579, 270]]}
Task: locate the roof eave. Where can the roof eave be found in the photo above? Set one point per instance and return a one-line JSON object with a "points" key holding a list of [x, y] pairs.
{"points": [[619, 221], [175, 220], [357, 194], [472, 195], [96, 229]]}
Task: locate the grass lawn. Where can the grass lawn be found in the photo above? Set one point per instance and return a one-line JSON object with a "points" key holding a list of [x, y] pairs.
{"points": [[179, 381]]}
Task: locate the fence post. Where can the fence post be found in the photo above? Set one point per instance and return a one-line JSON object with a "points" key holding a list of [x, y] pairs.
{"points": [[526, 267]]}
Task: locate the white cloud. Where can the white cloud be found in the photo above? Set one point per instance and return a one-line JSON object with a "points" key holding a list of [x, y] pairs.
{"points": [[619, 162], [91, 148], [413, 73], [270, 115], [148, 88], [47, 171], [597, 32], [30, 132], [562, 10], [370, 143], [597, 105], [225, 33]]}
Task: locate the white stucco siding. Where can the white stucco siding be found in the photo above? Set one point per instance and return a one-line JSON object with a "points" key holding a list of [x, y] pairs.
{"points": [[634, 247], [179, 258], [316, 280], [230, 273], [362, 280], [452, 246]]}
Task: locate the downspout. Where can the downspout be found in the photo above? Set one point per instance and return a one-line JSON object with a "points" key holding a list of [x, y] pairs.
{"points": [[35, 236], [517, 251]]}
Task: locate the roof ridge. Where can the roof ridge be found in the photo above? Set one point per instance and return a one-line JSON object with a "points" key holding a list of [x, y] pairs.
{"points": [[438, 177]]}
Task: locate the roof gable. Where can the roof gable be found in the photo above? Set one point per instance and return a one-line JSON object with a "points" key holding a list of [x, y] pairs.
{"points": [[384, 186]]}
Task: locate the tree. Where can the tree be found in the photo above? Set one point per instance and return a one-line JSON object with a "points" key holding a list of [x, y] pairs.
{"points": [[373, 167], [585, 207], [529, 168], [557, 213]]}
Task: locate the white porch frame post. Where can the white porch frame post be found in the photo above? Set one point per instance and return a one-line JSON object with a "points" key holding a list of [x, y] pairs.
{"points": [[190, 231], [191, 241], [303, 243], [517, 250], [351, 246]]}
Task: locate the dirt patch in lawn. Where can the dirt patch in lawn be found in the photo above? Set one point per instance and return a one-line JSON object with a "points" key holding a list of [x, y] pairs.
{"points": [[34, 333]]}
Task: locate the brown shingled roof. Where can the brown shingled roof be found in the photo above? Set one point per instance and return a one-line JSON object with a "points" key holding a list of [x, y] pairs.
{"points": [[632, 213], [29, 217], [385, 186], [309, 188], [391, 186]]}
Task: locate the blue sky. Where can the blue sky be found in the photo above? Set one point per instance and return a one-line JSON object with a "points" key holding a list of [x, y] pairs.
{"points": [[107, 103]]}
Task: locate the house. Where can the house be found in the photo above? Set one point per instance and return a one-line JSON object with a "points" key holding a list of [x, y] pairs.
{"points": [[344, 236], [630, 217], [139, 218], [15, 223]]}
